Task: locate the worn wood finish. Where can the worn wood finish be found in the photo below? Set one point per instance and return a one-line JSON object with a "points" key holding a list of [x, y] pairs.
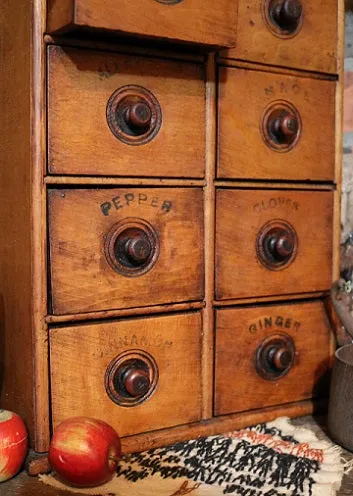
{"points": [[198, 21], [309, 49], [82, 279], [16, 298], [239, 273], [80, 356], [122, 181], [244, 96], [240, 332], [80, 141], [125, 312]]}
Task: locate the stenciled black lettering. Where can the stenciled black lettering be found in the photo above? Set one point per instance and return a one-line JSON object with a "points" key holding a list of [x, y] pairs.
{"points": [[288, 323], [105, 207], [154, 202], [252, 328], [166, 206], [142, 198], [129, 197], [296, 326], [116, 201], [279, 321], [268, 322]]}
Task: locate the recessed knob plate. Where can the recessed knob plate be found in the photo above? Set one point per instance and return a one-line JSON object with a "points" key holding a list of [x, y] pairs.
{"points": [[131, 378], [134, 115], [275, 356], [132, 247]]}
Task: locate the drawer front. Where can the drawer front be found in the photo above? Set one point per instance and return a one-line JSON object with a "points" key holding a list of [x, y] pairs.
{"points": [[121, 115], [270, 355], [289, 35], [196, 21], [124, 248], [272, 242], [135, 374], [273, 126]]}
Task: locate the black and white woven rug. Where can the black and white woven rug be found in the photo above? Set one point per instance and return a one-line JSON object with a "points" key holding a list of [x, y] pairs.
{"points": [[273, 459]]}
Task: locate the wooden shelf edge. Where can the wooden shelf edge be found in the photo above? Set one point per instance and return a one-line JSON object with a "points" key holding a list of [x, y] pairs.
{"points": [[219, 425]]}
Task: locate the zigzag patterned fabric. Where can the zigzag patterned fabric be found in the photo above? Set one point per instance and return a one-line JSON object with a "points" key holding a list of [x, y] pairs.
{"points": [[273, 459]]}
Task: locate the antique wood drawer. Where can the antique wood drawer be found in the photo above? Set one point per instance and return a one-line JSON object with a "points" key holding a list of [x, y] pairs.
{"points": [[270, 355], [272, 242], [197, 21], [135, 374], [118, 115], [290, 33], [274, 126], [123, 248]]}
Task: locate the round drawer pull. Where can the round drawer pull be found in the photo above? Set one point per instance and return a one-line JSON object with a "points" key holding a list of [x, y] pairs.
{"points": [[132, 247], [134, 115], [136, 381], [138, 248], [284, 17], [131, 378], [138, 115], [281, 126], [275, 356], [276, 244]]}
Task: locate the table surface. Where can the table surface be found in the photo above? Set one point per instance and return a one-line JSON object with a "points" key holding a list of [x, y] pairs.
{"points": [[23, 485]]}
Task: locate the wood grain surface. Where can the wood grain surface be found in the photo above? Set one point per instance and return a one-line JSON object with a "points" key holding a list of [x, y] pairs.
{"points": [[239, 333], [197, 21], [16, 323], [244, 96], [80, 356], [82, 279], [80, 83], [314, 47], [241, 214]]}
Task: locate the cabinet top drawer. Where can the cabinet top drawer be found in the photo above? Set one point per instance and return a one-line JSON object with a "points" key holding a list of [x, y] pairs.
{"points": [[195, 21], [301, 34]]}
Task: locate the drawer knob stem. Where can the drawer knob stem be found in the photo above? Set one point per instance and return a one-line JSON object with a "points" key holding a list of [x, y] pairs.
{"points": [[138, 249], [138, 115], [279, 358], [281, 246], [137, 382], [285, 127], [275, 356], [287, 14]]}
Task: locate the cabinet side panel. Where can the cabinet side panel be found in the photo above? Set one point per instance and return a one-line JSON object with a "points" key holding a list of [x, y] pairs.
{"points": [[16, 357]]}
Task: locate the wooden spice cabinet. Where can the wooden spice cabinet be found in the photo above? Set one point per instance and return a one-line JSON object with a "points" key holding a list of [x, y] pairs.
{"points": [[170, 216]]}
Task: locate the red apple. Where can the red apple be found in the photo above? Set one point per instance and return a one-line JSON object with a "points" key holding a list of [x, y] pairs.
{"points": [[84, 452], [13, 444]]}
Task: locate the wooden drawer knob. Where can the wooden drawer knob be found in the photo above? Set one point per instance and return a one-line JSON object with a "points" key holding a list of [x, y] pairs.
{"points": [[286, 14], [276, 244], [131, 378], [275, 356], [134, 115], [132, 247], [138, 116], [138, 248], [285, 127], [280, 244], [136, 382]]}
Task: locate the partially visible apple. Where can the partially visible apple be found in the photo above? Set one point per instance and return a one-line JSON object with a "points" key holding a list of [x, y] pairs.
{"points": [[84, 452], [13, 444]]}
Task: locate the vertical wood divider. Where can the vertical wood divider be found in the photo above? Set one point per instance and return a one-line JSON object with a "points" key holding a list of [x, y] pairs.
{"points": [[38, 221], [209, 219], [338, 145], [336, 238]]}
